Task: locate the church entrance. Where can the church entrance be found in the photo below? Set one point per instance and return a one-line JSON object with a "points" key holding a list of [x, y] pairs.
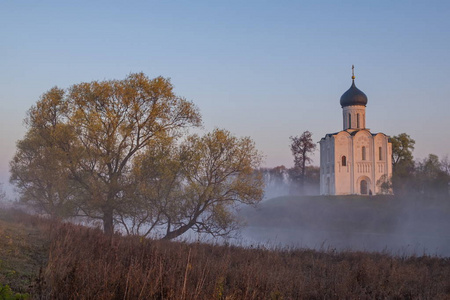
{"points": [[363, 187]]}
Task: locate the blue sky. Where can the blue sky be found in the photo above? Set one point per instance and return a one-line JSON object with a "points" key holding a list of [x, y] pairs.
{"points": [[264, 69]]}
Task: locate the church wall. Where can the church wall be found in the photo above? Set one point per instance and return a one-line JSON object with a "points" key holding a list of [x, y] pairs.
{"points": [[383, 161], [389, 161], [364, 161], [337, 179], [322, 165], [343, 178], [327, 162]]}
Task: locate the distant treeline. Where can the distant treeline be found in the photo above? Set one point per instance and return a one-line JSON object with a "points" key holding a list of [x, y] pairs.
{"points": [[429, 176]]}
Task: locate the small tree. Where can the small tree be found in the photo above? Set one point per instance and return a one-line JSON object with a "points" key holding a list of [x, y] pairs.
{"points": [[2, 193], [402, 162], [445, 165], [385, 184], [402, 148], [302, 147], [430, 177]]}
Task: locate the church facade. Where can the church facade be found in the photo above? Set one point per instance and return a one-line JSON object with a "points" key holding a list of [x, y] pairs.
{"points": [[354, 161]]}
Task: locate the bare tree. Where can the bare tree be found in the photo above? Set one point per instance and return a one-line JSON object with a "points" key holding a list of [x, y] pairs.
{"points": [[302, 147]]}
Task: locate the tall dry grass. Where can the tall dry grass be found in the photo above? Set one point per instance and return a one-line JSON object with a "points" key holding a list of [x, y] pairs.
{"points": [[85, 264]]}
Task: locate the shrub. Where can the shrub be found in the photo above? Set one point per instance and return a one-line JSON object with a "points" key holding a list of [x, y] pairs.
{"points": [[7, 294]]}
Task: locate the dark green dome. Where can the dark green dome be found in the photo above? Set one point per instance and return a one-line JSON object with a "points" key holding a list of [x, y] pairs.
{"points": [[353, 96]]}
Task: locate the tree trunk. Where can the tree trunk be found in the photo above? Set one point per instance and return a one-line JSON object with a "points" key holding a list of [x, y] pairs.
{"points": [[176, 233], [108, 224], [108, 208], [182, 229], [302, 179]]}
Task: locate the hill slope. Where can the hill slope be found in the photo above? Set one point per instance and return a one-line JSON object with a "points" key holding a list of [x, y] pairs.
{"points": [[23, 249]]}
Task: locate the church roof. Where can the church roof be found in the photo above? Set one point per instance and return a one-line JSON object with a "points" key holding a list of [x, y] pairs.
{"points": [[352, 133], [353, 96]]}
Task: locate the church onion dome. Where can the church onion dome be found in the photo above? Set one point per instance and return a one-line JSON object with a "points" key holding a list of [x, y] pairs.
{"points": [[353, 96]]}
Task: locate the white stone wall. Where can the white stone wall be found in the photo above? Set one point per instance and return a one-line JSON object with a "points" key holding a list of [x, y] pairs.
{"points": [[343, 141], [363, 142], [337, 179], [327, 170], [383, 158]]}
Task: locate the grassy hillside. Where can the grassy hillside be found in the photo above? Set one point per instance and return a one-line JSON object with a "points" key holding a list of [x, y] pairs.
{"points": [[23, 249], [82, 263]]}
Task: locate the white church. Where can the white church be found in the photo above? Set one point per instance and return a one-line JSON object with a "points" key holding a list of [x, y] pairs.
{"points": [[353, 160]]}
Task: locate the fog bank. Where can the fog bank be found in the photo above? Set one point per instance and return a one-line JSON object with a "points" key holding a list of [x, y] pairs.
{"points": [[399, 226]]}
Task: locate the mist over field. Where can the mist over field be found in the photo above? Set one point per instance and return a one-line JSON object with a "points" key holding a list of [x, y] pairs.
{"points": [[398, 226]]}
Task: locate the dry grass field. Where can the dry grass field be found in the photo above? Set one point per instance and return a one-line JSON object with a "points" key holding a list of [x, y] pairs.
{"points": [[55, 260]]}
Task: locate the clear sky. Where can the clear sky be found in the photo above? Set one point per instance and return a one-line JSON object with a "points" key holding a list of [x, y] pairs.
{"points": [[264, 69]]}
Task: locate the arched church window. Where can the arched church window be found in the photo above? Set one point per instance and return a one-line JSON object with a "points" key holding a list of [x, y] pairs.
{"points": [[357, 121], [349, 121], [380, 155], [344, 161], [363, 153]]}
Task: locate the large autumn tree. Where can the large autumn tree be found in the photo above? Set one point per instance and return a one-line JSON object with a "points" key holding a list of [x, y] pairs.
{"points": [[117, 151], [81, 142]]}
